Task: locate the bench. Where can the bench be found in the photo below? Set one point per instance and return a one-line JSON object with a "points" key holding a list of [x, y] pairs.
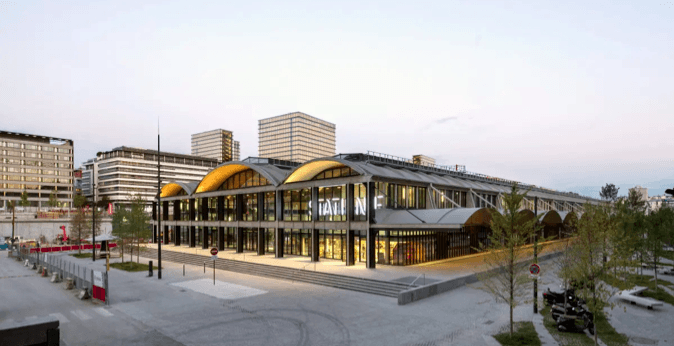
{"points": [[631, 296], [38, 331]]}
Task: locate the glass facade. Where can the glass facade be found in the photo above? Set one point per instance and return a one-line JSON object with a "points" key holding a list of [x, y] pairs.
{"points": [[247, 178], [297, 205]]}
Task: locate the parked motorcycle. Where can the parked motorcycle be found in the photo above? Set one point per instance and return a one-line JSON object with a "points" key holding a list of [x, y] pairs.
{"points": [[551, 297], [572, 318]]}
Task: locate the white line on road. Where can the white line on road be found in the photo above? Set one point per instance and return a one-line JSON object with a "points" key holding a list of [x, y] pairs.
{"points": [[60, 317], [103, 312], [81, 315]]}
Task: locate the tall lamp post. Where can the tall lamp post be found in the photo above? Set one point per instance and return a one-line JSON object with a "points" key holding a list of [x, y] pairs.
{"points": [[93, 212], [158, 209], [535, 253]]}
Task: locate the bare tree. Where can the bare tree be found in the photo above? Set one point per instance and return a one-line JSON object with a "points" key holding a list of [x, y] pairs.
{"points": [[507, 278]]}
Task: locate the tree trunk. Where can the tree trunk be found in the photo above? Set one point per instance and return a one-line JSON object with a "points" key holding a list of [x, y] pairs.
{"points": [[512, 292], [655, 268], [594, 316]]}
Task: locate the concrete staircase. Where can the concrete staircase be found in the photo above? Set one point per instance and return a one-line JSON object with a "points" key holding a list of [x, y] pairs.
{"points": [[382, 288]]}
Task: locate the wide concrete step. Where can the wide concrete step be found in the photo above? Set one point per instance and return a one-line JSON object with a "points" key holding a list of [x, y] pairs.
{"points": [[308, 277], [377, 287]]}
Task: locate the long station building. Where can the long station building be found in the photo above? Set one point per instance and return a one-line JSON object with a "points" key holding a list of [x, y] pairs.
{"points": [[367, 208]]}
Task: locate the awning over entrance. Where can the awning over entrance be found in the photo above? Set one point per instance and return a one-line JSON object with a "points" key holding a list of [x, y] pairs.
{"points": [[432, 218]]}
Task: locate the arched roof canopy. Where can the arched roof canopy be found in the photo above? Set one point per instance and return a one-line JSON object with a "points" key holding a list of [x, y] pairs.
{"points": [[310, 169], [455, 216], [174, 189], [550, 217], [214, 179]]}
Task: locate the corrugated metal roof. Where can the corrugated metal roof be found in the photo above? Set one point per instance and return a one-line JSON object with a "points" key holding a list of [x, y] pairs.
{"points": [[454, 216]]}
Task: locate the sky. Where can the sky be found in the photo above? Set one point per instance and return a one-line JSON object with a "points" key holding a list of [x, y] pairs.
{"points": [[568, 95]]}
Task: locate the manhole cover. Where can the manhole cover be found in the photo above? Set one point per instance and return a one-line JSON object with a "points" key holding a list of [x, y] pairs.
{"points": [[489, 322], [183, 291]]}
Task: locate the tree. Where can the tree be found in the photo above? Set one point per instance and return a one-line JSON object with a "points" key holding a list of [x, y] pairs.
{"points": [[24, 199], [635, 201], [588, 249], [120, 227], [609, 192], [79, 227], [658, 224], [79, 201], [139, 221], [53, 201], [507, 278], [11, 205]]}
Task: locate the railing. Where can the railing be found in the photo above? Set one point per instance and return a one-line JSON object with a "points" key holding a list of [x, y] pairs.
{"points": [[67, 269]]}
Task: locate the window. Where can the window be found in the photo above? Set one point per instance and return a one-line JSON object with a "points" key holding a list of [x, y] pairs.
{"points": [[247, 178], [270, 206]]}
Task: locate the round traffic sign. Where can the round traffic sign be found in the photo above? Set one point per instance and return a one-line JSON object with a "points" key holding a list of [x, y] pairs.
{"points": [[534, 269], [214, 251]]}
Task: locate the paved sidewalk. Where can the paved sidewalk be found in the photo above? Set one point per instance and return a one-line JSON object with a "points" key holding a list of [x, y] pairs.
{"points": [[543, 333]]}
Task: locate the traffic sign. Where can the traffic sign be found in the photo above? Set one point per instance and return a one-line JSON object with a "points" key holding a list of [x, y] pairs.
{"points": [[534, 269], [214, 251], [214, 257]]}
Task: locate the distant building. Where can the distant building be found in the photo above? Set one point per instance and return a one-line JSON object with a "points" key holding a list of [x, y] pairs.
{"points": [[215, 144], [656, 202], [643, 192], [123, 172], [423, 160], [296, 137], [236, 151], [39, 165], [77, 181]]}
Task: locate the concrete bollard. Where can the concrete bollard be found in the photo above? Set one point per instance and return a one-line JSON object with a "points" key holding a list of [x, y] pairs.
{"points": [[26, 263], [45, 272], [39, 269], [69, 284], [55, 277], [34, 267], [150, 270]]}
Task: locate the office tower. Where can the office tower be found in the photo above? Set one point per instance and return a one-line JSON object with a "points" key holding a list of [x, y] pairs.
{"points": [[296, 137], [214, 144]]}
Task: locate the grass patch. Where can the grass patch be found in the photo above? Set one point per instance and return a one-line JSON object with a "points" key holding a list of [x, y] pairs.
{"points": [[606, 333], [81, 255], [635, 279], [659, 294], [564, 338], [524, 334], [132, 266]]}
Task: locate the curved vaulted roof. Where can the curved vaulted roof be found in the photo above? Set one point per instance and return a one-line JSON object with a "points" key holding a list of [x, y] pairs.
{"points": [[174, 188], [217, 176], [310, 169], [550, 217], [455, 216]]}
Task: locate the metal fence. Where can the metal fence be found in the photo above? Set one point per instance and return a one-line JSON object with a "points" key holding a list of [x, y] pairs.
{"points": [[83, 277]]}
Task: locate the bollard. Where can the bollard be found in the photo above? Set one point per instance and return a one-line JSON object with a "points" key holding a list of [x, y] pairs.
{"points": [[183, 270], [55, 277], [150, 270], [69, 284], [45, 272], [204, 267]]}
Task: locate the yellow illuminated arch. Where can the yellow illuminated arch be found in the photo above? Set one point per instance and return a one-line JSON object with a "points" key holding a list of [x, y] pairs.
{"points": [[311, 169], [172, 189], [216, 177], [481, 217]]}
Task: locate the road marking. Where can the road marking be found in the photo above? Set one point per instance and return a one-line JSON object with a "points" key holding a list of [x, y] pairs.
{"points": [[60, 317], [103, 312], [81, 315]]}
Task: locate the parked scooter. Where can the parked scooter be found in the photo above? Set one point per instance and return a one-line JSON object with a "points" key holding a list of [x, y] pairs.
{"points": [[552, 297], [572, 318]]}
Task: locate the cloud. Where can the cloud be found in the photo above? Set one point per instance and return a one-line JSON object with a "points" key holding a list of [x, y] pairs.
{"points": [[444, 120]]}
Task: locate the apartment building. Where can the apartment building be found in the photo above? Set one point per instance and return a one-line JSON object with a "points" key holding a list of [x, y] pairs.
{"points": [[39, 165]]}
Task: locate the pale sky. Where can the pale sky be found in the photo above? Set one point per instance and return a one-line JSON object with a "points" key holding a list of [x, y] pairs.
{"points": [[568, 95]]}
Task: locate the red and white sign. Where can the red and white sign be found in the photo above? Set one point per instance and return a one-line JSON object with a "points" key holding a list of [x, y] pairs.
{"points": [[534, 269], [214, 251], [99, 286]]}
